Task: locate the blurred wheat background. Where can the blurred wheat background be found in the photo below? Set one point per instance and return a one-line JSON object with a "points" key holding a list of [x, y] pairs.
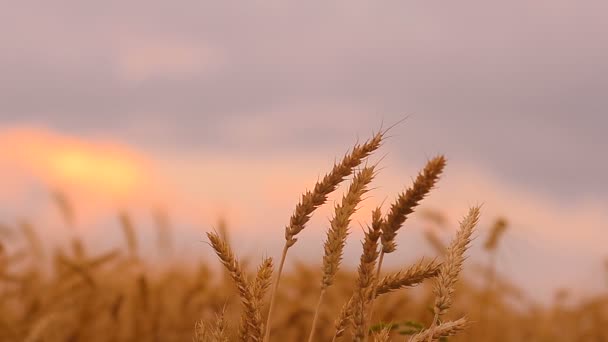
{"points": [[129, 131]]}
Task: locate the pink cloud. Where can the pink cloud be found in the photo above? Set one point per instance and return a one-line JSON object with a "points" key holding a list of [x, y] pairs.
{"points": [[143, 57]]}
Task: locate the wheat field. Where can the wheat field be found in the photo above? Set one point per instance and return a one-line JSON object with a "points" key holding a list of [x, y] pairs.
{"points": [[119, 295]]}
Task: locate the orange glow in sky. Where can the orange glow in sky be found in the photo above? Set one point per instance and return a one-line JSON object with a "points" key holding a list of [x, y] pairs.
{"points": [[99, 168]]}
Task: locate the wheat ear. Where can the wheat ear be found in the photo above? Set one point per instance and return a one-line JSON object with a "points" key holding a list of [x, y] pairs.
{"points": [[404, 205], [219, 331], [212, 332], [412, 276], [407, 202], [311, 200], [444, 329], [342, 320], [451, 267], [251, 319], [338, 232], [383, 335], [263, 279], [366, 279]]}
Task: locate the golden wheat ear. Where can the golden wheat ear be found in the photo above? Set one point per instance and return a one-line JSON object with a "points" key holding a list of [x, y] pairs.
{"points": [[404, 205], [251, 327], [311, 200], [406, 202], [443, 330], [365, 280], [383, 335], [338, 232], [409, 277], [451, 268], [216, 332]]}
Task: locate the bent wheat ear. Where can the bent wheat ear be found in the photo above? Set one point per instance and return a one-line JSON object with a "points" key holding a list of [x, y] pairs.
{"points": [[251, 319], [383, 335], [311, 200], [337, 233], [443, 330], [412, 276]]}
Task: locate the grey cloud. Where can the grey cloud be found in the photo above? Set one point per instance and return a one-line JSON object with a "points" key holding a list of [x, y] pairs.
{"points": [[517, 86]]}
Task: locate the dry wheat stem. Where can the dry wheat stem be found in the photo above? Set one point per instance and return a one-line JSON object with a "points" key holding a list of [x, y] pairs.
{"points": [[316, 316], [311, 200]]}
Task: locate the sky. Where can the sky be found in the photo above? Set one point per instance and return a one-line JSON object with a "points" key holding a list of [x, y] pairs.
{"points": [[213, 109]]}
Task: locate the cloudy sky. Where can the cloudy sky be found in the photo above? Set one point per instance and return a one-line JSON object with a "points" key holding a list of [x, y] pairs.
{"points": [[210, 109]]}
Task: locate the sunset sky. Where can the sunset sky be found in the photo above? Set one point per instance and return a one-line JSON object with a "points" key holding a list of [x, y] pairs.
{"points": [[222, 109]]}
